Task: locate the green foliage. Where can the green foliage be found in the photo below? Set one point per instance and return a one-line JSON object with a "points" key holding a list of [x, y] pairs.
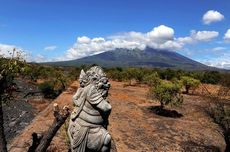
{"points": [[47, 89], [116, 75], [167, 74], [142, 74], [189, 83], [212, 77], [151, 79], [74, 73], [224, 89], [166, 93], [9, 69], [220, 113], [225, 80]]}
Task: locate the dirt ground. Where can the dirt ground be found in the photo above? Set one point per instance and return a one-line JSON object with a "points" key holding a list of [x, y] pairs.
{"points": [[134, 126]]}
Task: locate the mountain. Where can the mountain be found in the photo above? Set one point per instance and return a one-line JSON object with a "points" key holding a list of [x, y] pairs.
{"points": [[148, 57]]}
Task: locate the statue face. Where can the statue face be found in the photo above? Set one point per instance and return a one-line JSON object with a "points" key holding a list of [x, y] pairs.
{"points": [[103, 86], [96, 76]]}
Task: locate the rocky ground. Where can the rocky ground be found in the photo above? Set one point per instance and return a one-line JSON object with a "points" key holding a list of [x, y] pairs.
{"points": [[19, 112], [134, 125]]}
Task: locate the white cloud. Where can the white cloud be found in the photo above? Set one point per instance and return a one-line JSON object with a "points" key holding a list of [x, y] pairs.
{"points": [[185, 40], [83, 39], [39, 58], [161, 37], [227, 36], [219, 63], [204, 35], [212, 16], [161, 33], [218, 49], [6, 50], [197, 36], [50, 48]]}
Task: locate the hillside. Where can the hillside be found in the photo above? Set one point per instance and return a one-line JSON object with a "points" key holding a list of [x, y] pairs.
{"points": [[138, 58]]}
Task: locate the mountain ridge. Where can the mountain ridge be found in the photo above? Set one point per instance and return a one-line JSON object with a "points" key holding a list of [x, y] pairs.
{"points": [[148, 57]]}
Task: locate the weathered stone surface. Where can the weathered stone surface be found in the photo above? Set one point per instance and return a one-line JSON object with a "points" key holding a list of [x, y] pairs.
{"points": [[89, 119]]}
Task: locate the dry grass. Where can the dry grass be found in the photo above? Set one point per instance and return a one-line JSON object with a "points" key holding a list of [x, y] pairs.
{"points": [[135, 128]]}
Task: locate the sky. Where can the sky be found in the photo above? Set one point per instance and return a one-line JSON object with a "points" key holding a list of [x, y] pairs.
{"points": [[57, 30]]}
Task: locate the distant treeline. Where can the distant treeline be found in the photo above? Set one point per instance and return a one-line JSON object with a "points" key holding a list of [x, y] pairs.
{"points": [[141, 74]]}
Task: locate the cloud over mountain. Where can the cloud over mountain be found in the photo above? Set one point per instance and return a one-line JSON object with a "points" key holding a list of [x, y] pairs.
{"points": [[160, 37]]}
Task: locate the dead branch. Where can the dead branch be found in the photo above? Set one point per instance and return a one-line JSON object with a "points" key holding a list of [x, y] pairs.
{"points": [[205, 88], [40, 145]]}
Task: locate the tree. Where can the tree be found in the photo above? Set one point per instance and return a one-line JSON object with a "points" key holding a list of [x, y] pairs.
{"points": [[151, 79], [212, 77], [166, 93], [129, 74], [138, 74], [47, 88], [9, 69], [167, 74], [189, 83]]}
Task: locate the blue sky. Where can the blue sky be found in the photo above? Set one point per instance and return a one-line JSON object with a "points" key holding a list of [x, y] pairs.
{"points": [[50, 30]]}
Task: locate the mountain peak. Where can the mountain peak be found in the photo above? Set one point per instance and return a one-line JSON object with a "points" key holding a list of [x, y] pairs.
{"points": [[149, 57]]}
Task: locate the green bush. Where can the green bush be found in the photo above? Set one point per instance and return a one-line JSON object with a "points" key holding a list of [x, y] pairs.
{"points": [[212, 77], [10, 68], [225, 80], [151, 79], [167, 74], [220, 113], [166, 93], [47, 89], [189, 83]]}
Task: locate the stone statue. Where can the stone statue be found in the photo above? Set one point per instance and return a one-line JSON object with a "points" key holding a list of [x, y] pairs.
{"points": [[89, 120]]}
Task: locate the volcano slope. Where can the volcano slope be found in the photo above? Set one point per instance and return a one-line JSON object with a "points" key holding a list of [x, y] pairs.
{"points": [[134, 127]]}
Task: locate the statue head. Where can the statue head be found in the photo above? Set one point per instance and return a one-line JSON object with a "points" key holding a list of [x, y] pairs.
{"points": [[83, 79], [95, 75]]}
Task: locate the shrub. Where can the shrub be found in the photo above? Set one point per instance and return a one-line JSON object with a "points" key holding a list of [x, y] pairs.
{"points": [[189, 83], [151, 79], [220, 113], [225, 80], [47, 89], [10, 68], [166, 93], [212, 77], [116, 75], [167, 74]]}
